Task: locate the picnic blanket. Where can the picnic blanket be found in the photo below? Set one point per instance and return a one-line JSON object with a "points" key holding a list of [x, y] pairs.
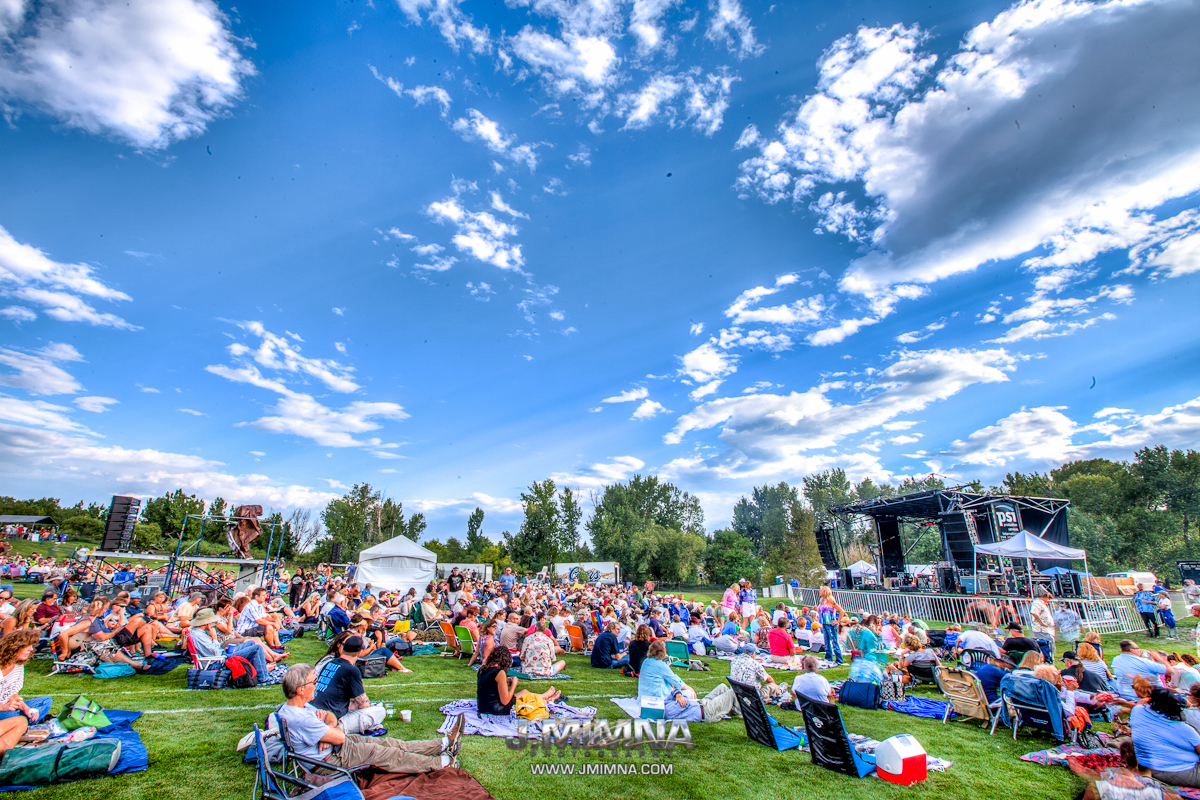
{"points": [[451, 783], [134, 757], [866, 747], [765, 660], [920, 707], [492, 725], [425, 649], [562, 676], [630, 705], [1057, 756]]}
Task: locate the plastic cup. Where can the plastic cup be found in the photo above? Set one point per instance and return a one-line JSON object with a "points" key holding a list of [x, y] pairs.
{"points": [[405, 715]]}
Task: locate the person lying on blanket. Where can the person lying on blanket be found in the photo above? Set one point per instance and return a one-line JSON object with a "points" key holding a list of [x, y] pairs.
{"points": [[15, 714], [315, 733], [495, 692], [122, 630]]}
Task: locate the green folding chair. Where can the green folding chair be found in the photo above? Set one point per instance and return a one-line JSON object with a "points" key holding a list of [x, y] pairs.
{"points": [[466, 645], [678, 652]]}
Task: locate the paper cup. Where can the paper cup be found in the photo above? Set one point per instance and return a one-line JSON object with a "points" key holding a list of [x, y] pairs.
{"points": [[405, 715]]}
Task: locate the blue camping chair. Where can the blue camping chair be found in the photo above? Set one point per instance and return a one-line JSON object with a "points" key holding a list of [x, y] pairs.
{"points": [[828, 741], [272, 785], [761, 726], [1030, 701]]}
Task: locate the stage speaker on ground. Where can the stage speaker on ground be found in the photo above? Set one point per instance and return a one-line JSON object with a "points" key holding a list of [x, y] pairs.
{"points": [[945, 580], [845, 579]]}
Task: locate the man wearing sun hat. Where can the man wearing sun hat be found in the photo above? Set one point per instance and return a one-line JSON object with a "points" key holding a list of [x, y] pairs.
{"points": [[204, 639]]}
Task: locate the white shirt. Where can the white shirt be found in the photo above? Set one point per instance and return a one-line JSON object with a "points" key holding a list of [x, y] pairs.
{"points": [[251, 613], [11, 683], [679, 630], [812, 684], [977, 640], [776, 617]]}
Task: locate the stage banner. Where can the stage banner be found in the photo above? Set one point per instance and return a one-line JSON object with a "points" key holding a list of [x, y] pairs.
{"points": [[1006, 521]]}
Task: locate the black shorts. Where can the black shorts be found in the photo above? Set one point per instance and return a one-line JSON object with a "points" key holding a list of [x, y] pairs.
{"points": [[124, 638]]}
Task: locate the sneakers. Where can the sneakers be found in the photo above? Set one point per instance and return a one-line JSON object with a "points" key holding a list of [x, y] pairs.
{"points": [[375, 732], [454, 739]]}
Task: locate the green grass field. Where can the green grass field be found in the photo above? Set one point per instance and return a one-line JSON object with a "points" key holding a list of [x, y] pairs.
{"points": [[191, 738]]}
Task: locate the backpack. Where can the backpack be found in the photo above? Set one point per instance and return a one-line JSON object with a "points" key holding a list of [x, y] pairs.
{"points": [[892, 689], [531, 706], [241, 673], [859, 694], [372, 667], [112, 669], [38, 766], [401, 648]]}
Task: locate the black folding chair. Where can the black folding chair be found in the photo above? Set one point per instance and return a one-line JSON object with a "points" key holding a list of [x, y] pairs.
{"points": [[761, 726], [828, 741]]}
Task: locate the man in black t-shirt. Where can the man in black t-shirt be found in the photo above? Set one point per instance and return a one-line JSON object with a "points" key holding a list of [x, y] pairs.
{"points": [[339, 690], [1016, 645], [454, 586], [1088, 682], [606, 648]]}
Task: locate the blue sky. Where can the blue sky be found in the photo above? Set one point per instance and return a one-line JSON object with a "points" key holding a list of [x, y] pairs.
{"points": [[453, 248]]}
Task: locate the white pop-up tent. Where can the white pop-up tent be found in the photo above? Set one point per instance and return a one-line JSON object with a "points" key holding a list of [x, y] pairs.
{"points": [[396, 565], [861, 568], [1029, 546]]}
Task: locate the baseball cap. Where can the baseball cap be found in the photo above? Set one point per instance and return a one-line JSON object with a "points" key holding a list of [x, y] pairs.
{"points": [[353, 646], [1014, 626], [1071, 655]]}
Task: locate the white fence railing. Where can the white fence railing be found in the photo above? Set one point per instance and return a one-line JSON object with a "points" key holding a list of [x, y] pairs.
{"points": [[1110, 615]]}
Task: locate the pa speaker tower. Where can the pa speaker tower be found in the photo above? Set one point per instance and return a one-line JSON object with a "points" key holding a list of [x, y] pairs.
{"points": [[122, 517]]}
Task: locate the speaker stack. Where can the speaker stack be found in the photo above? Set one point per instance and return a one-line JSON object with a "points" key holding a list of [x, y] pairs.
{"points": [[335, 553], [122, 517], [845, 579]]}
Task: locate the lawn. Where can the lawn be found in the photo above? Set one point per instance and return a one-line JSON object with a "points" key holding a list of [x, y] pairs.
{"points": [[191, 738]]}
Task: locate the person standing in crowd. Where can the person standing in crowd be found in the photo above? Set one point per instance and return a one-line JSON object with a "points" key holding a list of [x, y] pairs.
{"points": [[1041, 621], [828, 614], [1147, 606], [1167, 613], [454, 585]]}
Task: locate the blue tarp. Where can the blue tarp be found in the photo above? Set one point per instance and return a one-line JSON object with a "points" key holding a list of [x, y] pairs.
{"points": [[134, 757], [1061, 571]]}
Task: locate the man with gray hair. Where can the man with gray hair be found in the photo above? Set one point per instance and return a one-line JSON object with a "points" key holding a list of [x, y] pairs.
{"points": [[313, 734]]}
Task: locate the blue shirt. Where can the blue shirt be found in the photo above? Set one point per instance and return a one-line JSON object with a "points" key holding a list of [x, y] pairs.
{"points": [[989, 679], [508, 581], [656, 679], [338, 619], [1163, 744], [1145, 602], [1126, 666]]}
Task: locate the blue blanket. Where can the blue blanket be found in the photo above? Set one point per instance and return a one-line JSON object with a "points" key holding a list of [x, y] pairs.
{"points": [[134, 757], [919, 707]]}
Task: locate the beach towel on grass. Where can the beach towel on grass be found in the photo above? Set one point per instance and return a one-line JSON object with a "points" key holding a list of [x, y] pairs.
{"points": [[765, 660], [492, 725], [512, 673], [134, 757], [423, 649]]}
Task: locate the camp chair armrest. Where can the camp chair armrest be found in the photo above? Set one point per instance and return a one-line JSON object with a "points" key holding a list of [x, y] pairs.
{"points": [[349, 772]]}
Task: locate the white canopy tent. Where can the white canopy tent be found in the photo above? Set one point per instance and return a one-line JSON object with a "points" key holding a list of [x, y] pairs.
{"points": [[860, 568], [396, 565], [1028, 546]]}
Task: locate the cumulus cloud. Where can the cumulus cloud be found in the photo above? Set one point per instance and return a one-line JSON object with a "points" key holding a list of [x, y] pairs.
{"points": [[707, 363], [476, 126], [601, 474], [649, 409], [149, 72], [28, 274], [278, 353], [678, 99], [731, 26], [18, 314], [1024, 107], [479, 234], [450, 21], [49, 455], [96, 405], [420, 94], [628, 396], [767, 433], [39, 372]]}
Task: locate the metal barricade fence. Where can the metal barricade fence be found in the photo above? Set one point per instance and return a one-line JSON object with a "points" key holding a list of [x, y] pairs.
{"points": [[1109, 615]]}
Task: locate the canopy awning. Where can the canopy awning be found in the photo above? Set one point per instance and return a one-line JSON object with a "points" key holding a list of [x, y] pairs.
{"points": [[25, 519], [1026, 545]]}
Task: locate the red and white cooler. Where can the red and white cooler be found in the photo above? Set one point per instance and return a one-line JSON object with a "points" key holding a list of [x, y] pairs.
{"points": [[901, 759]]}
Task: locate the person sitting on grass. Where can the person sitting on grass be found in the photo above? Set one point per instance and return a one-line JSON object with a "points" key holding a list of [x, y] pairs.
{"points": [[639, 645], [811, 683], [496, 692], [746, 669], [1133, 781], [729, 642], [340, 690], [114, 627], [314, 733], [15, 713], [21, 619], [1164, 743], [606, 651], [537, 654], [780, 642], [679, 700]]}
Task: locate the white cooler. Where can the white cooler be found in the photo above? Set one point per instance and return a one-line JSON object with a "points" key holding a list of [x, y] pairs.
{"points": [[901, 759]]}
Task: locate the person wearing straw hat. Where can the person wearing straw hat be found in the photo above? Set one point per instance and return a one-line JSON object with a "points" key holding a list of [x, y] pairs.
{"points": [[204, 639]]}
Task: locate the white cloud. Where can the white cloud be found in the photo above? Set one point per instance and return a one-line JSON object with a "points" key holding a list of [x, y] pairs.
{"points": [[96, 405], [340, 347], [645, 23], [278, 353], [480, 234], [481, 291], [192, 411], [905, 439], [679, 99], [420, 94], [49, 455], [628, 396], [150, 390], [29, 274], [499, 205], [1076, 170], [649, 409], [258, 453], [705, 390], [730, 26], [478, 127], [341, 312], [38, 372], [40, 414], [302, 415], [573, 64], [18, 314], [557, 316], [599, 475], [707, 363], [912, 337], [147, 71], [428, 249], [745, 309], [696, 329], [555, 187], [901, 425], [581, 157], [455, 26], [768, 433], [1112, 411]]}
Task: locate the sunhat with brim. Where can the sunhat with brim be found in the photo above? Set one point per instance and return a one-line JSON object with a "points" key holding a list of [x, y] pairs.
{"points": [[205, 616]]}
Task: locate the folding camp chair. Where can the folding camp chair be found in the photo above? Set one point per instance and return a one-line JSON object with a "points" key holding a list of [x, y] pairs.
{"points": [[466, 645], [922, 672], [1031, 705], [969, 659], [576, 640], [1099, 647], [966, 695], [451, 646], [828, 741], [761, 726], [678, 652], [272, 785], [199, 661]]}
